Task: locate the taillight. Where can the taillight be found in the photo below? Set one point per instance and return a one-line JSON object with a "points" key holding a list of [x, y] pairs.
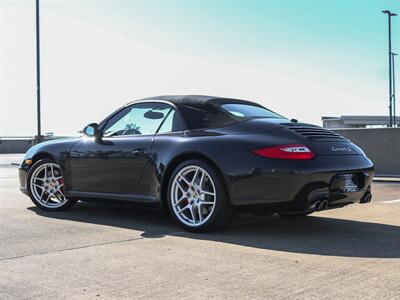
{"points": [[292, 151]]}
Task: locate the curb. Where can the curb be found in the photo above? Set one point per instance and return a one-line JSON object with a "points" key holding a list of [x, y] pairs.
{"points": [[387, 179]]}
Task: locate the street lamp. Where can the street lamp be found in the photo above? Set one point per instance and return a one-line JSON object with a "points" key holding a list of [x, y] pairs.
{"points": [[39, 130], [390, 14], [394, 89]]}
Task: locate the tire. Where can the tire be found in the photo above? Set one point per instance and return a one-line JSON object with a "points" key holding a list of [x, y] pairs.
{"points": [[191, 202], [45, 185]]}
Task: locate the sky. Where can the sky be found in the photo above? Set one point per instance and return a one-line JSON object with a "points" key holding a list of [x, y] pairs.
{"points": [[302, 59]]}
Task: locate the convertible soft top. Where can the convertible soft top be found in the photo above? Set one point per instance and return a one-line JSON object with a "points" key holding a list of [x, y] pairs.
{"points": [[196, 100]]}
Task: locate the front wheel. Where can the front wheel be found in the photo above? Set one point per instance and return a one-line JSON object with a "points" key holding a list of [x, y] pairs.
{"points": [[197, 197], [46, 186]]}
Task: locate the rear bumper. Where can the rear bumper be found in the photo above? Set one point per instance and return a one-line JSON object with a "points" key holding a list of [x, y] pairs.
{"points": [[295, 185]]}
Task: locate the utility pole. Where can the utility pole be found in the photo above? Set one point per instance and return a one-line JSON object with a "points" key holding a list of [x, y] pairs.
{"points": [[390, 15], [394, 90], [39, 129]]}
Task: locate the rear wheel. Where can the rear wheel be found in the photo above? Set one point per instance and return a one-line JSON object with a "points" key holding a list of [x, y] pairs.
{"points": [[46, 186], [197, 197]]}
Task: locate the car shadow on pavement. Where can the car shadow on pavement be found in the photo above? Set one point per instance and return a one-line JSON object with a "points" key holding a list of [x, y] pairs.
{"points": [[308, 235]]}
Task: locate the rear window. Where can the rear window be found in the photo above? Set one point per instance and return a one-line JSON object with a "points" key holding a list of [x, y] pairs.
{"points": [[206, 116], [221, 113], [249, 111]]}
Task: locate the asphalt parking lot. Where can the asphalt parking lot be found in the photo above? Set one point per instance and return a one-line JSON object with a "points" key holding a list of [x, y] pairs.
{"points": [[107, 251]]}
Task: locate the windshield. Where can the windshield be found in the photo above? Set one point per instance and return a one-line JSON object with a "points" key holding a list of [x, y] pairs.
{"points": [[249, 111]]}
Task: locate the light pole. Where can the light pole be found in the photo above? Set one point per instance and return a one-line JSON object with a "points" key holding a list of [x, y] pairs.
{"points": [[390, 15], [394, 90], [39, 130]]}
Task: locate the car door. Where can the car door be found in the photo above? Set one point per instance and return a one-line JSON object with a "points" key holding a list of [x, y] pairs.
{"points": [[114, 163], [170, 131]]}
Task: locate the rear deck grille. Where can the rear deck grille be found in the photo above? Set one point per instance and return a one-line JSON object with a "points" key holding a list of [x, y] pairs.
{"points": [[317, 133]]}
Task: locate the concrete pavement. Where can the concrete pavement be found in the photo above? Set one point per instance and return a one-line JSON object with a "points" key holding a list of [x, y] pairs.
{"points": [[105, 251]]}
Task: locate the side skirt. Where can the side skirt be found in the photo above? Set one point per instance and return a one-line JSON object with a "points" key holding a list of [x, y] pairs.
{"points": [[112, 196]]}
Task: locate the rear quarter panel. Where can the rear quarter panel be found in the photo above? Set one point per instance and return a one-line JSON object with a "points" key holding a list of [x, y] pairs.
{"points": [[226, 151]]}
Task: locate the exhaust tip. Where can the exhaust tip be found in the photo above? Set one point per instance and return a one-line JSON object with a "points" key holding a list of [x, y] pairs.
{"points": [[324, 204], [367, 198], [317, 206]]}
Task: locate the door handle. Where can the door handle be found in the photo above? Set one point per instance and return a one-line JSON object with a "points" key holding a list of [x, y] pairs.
{"points": [[139, 152]]}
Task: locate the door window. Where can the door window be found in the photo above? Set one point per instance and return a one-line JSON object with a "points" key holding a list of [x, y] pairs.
{"points": [[142, 118]]}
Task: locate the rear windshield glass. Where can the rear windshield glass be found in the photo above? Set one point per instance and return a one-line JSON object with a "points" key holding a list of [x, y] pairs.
{"points": [[249, 111], [206, 116], [217, 114]]}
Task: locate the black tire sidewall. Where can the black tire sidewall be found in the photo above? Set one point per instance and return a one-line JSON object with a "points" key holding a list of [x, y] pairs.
{"points": [[66, 205], [222, 205]]}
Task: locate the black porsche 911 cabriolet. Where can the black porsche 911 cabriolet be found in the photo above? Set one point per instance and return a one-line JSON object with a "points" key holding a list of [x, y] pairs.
{"points": [[201, 158]]}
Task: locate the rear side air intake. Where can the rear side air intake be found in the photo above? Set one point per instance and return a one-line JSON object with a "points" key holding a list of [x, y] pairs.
{"points": [[316, 134]]}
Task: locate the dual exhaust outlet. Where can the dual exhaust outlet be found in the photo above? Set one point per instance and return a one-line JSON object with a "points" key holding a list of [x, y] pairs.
{"points": [[366, 198], [321, 205]]}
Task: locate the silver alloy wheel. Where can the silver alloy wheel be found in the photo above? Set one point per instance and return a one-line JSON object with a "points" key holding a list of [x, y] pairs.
{"points": [[47, 186], [193, 196]]}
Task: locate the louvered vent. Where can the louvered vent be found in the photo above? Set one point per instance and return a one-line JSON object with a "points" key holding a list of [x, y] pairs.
{"points": [[317, 133]]}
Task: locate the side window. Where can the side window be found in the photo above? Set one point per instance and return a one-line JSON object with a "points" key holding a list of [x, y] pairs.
{"points": [[142, 118], [172, 123]]}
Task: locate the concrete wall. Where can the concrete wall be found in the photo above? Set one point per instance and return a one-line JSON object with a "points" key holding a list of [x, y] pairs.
{"points": [[15, 145], [382, 146], [20, 144]]}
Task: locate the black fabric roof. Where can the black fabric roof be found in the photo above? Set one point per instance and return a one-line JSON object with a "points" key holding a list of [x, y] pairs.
{"points": [[180, 100], [201, 111]]}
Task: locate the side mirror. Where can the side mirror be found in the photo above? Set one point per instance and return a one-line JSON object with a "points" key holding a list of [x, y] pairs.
{"points": [[92, 130]]}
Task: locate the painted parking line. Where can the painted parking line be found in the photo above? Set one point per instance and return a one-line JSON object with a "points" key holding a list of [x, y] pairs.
{"points": [[392, 201]]}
